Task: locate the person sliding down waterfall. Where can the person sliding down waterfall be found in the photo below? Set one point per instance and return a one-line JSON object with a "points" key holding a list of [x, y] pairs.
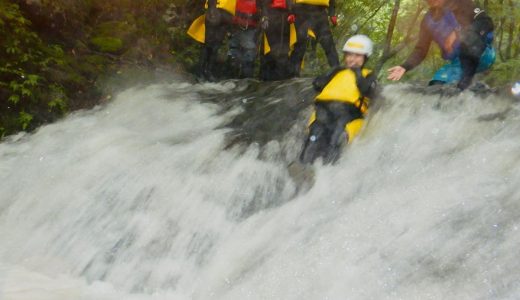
{"points": [[465, 35], [342, 103]]}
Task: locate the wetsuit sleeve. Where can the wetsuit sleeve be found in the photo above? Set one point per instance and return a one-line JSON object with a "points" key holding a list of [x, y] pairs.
{"points": [[421, 48], [366, 85], [332, 8], [321, 81], [370, 91]]}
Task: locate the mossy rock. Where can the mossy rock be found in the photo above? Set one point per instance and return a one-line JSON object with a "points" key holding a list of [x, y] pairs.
{"points": [[107, 44], [119, 29], [112, 37]]}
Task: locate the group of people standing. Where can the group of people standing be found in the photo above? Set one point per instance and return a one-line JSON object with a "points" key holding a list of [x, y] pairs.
{"points": [[278, 29], [463, 32]]}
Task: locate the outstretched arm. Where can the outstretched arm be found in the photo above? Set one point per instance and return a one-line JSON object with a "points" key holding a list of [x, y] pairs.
{"points": [[421, 48], [416, 57]]}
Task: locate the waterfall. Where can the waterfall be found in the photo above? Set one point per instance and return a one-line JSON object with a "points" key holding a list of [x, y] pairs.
{"points": [[181, 191]]}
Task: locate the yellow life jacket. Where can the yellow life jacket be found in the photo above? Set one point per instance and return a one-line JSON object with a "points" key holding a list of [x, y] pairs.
{"points": [[197, 29], [227, 5], [343, 88], [313, 2]]}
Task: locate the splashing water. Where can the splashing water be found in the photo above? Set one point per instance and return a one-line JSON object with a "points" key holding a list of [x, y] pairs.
{"points": [[181, 191]]}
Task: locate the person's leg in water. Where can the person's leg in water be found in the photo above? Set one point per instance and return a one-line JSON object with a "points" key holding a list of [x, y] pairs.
{"points": [[327, 133], [318, 137], [343, 114]]}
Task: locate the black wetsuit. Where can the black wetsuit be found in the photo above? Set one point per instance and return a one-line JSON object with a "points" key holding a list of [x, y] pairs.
{"points": [[472, 37], [218, 24], [316, 18], [243, 46], [275, 65]]}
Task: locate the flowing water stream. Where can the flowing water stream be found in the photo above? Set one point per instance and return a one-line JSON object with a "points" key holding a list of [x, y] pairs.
{"points": [[181, 191]]}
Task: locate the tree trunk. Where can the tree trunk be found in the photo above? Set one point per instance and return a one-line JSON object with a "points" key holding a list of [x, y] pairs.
{"points": [[511, 32], [389, 34], [517, 48], [501, 31], [371, 17]]}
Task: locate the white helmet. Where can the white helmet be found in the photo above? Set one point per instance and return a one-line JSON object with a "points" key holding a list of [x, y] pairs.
{"points": [[359, 44]]}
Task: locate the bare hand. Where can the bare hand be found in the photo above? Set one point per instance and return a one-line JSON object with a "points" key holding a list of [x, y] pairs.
{"points": [[396, 73]]}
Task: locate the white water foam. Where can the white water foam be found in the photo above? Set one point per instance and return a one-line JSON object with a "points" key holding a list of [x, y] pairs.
{"points": [[141, 199]]}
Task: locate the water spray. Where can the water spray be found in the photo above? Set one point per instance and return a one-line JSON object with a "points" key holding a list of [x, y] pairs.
{"points": [[515, 89]]}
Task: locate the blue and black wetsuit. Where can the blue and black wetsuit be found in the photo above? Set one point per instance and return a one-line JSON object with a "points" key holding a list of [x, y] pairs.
{"points": [[472, 28]]}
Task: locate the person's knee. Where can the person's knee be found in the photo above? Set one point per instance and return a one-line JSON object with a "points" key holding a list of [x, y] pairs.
{"points": [[317, 130]]}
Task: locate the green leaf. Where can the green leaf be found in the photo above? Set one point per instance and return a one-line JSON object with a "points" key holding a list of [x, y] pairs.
{"points": [[24, 119], [26, 92], [14, 86], [32, 80], [14, 99], [57, 103]]}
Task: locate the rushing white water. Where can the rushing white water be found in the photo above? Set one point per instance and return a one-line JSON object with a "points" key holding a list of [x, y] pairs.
{"points": [[146, 198]]}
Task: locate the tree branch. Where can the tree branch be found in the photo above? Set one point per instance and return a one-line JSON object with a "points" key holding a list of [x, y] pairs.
{"points": [[387, 54], [371, 16]]}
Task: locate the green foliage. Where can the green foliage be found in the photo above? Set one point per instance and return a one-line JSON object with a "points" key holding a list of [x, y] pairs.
{"points": [[51, 67], [25, 62], [504, 73], [24, 119], [20, 57], [58, 100]]}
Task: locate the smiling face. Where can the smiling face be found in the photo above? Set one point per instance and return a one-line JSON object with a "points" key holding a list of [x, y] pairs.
{"points": [[354, 60]]}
